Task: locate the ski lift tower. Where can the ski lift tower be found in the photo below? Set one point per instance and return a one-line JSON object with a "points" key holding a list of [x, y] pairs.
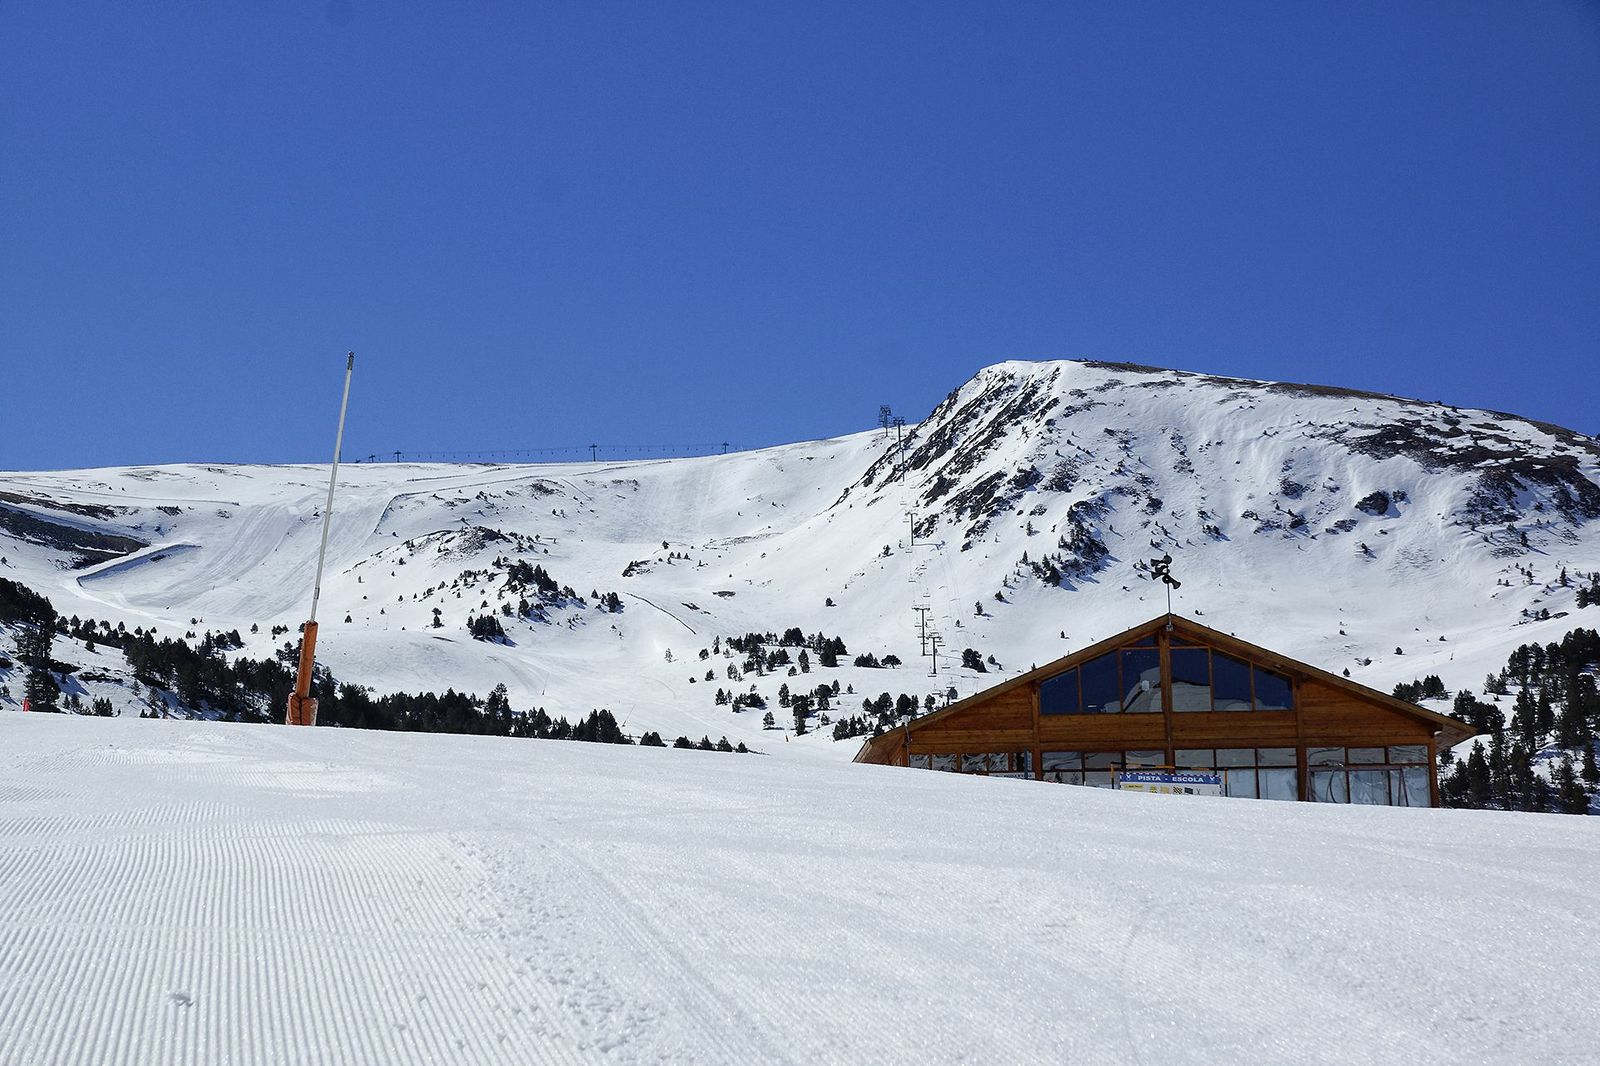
{"points": [[302, 708]]}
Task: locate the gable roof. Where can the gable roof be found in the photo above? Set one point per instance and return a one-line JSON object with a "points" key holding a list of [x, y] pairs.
{"points": [[1450, 730]]}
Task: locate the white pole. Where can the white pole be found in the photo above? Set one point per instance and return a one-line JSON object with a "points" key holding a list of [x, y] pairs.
{"points": [[333, 475]]}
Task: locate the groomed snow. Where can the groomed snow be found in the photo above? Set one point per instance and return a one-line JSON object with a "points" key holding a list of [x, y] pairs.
{"points": [[195, 892]]}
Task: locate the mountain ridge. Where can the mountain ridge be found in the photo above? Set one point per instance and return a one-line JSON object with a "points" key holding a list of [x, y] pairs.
{"points": [[1020, 513]]}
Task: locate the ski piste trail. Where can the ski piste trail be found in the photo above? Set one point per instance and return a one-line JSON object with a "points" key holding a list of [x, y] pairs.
{"points": [[199, 892]]}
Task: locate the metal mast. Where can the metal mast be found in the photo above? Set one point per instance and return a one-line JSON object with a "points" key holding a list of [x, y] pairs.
{"points": [[302, 708]]}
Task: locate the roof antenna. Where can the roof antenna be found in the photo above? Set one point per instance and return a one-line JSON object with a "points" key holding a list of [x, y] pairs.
{"points": [[1160, 568]]}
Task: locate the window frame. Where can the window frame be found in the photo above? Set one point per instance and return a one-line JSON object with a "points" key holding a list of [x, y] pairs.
{"points": [[1394, 773]]}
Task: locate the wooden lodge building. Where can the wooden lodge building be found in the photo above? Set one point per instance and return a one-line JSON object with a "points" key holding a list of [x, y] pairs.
{"points": [[1173, 700]]}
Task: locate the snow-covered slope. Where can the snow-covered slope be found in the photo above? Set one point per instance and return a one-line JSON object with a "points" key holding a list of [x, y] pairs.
{"points": [[190, 892], [1335, 526]]}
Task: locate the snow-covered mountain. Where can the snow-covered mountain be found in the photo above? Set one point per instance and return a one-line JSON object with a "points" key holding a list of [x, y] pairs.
{"points": [[1391, 537]]}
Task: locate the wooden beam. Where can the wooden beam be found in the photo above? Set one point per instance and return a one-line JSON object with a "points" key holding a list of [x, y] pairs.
{"points": [[1164, 644], [1038, 746], [1433, 773], [1302, 770]]}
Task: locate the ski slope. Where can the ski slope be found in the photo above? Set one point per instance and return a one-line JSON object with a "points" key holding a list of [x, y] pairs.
{"points": [[195, 892]]}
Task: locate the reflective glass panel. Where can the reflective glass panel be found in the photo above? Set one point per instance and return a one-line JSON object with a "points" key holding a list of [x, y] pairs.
{"points": [[1191, 679], [946, 762], [1236, 756], [1408, 787], [1197, 758], [1134, 760], [1370, 787], [1062, 760], [1326, 756], [1279, 784], [1418, 792], [1101, 760], [1141, 681], [1100, 685], [1230, 683], [1144, 642], [1097, 778], [1409, 753], [1273, 691], [920, 762], [1366, 757], [1241, 783], [1329, 786], [1275, 757], [1059, 694]]}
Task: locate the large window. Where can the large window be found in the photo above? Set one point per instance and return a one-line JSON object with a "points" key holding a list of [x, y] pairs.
{"points": [[1125, 680], [1257, 773], [1204, 679], [989, 764], [1129, 680], [1191, 679], [1396, 776], [1096, 768], [1060, 694]]}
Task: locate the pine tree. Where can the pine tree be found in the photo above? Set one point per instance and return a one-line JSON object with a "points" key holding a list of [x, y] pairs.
{"points": [[1526, 719], [1500, 793], [1570, 796], [498, 704], [41, 691]]}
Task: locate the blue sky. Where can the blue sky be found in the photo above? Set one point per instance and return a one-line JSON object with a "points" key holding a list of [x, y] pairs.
{"points": [[545, 225]]}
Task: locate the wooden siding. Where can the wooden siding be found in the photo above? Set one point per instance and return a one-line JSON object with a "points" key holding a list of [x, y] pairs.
{"points": [[1222, 729], [1102, 732], [1002, 724], [972, 742], [1008, 710], [1331, 718]]}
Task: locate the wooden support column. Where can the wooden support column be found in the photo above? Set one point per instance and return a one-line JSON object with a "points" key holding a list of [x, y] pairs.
{"points": [[1302, 769], [1038, 744], [1164, 643]]}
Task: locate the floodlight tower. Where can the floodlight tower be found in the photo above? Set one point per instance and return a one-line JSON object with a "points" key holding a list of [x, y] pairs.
{"points": [[302, 708]]}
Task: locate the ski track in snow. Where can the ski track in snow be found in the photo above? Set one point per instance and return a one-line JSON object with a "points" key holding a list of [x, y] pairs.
{"points": [[190, 892]]}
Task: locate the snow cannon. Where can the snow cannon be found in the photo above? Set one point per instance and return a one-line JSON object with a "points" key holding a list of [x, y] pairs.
{"points": [[302, 709], [302, 706]]}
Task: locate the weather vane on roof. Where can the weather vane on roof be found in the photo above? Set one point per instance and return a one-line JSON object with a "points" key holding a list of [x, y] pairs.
{"points": [[1161, 568]]}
